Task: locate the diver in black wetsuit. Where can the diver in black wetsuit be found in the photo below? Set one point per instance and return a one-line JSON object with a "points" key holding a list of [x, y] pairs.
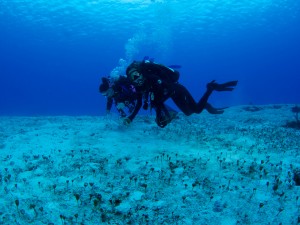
{"points": [[161, 83], [122, 93]]}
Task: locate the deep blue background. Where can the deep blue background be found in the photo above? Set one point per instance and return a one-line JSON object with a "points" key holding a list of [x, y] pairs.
{"points": [[51, 62]]}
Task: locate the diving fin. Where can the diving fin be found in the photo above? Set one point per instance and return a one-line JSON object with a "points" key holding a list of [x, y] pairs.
{"points": [[228, 86], [213, 110]]}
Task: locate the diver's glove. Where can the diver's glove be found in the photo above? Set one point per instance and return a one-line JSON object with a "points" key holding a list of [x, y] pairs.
{"points": [[228, 86], [126, 121]]}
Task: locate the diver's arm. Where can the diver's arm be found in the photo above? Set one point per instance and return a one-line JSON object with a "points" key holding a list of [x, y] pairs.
{"points": [[109, 104], [137, 107]]}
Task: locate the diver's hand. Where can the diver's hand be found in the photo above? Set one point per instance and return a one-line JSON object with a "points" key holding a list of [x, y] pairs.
{"points": [[126, 121]]}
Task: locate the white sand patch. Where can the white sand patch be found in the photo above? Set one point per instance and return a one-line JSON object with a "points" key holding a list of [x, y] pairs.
{"points": [[234, 168]]}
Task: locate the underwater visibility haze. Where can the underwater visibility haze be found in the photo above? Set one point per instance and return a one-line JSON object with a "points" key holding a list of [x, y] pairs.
{"points": [[65, 161], [53, 53]]}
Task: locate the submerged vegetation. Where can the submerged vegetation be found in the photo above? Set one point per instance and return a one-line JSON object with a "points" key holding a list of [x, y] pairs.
{"points": [[241, 167]]}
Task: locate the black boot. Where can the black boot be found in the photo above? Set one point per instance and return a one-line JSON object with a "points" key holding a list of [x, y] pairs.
{"points": [[164, 115]]}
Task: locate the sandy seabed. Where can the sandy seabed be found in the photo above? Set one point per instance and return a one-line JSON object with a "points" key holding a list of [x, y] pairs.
{"points": [[241, 167]]}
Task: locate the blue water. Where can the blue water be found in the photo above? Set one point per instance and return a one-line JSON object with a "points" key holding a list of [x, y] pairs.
{"points": [[53, 53]]}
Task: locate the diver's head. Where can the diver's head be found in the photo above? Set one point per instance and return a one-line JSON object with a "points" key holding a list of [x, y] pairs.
{"points": [[134, 75], [133, 67]]}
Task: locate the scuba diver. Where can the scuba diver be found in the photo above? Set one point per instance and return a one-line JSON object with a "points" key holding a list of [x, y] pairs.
{"points": [[161, 82], [121, 92]]}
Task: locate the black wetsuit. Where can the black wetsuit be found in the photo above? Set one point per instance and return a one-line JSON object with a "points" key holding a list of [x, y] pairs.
{"points": [[162, 82]]}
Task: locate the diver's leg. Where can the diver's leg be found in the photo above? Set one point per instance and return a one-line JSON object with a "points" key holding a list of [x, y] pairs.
{"points": [[162, 115], [184, 100], [203, 101]]}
